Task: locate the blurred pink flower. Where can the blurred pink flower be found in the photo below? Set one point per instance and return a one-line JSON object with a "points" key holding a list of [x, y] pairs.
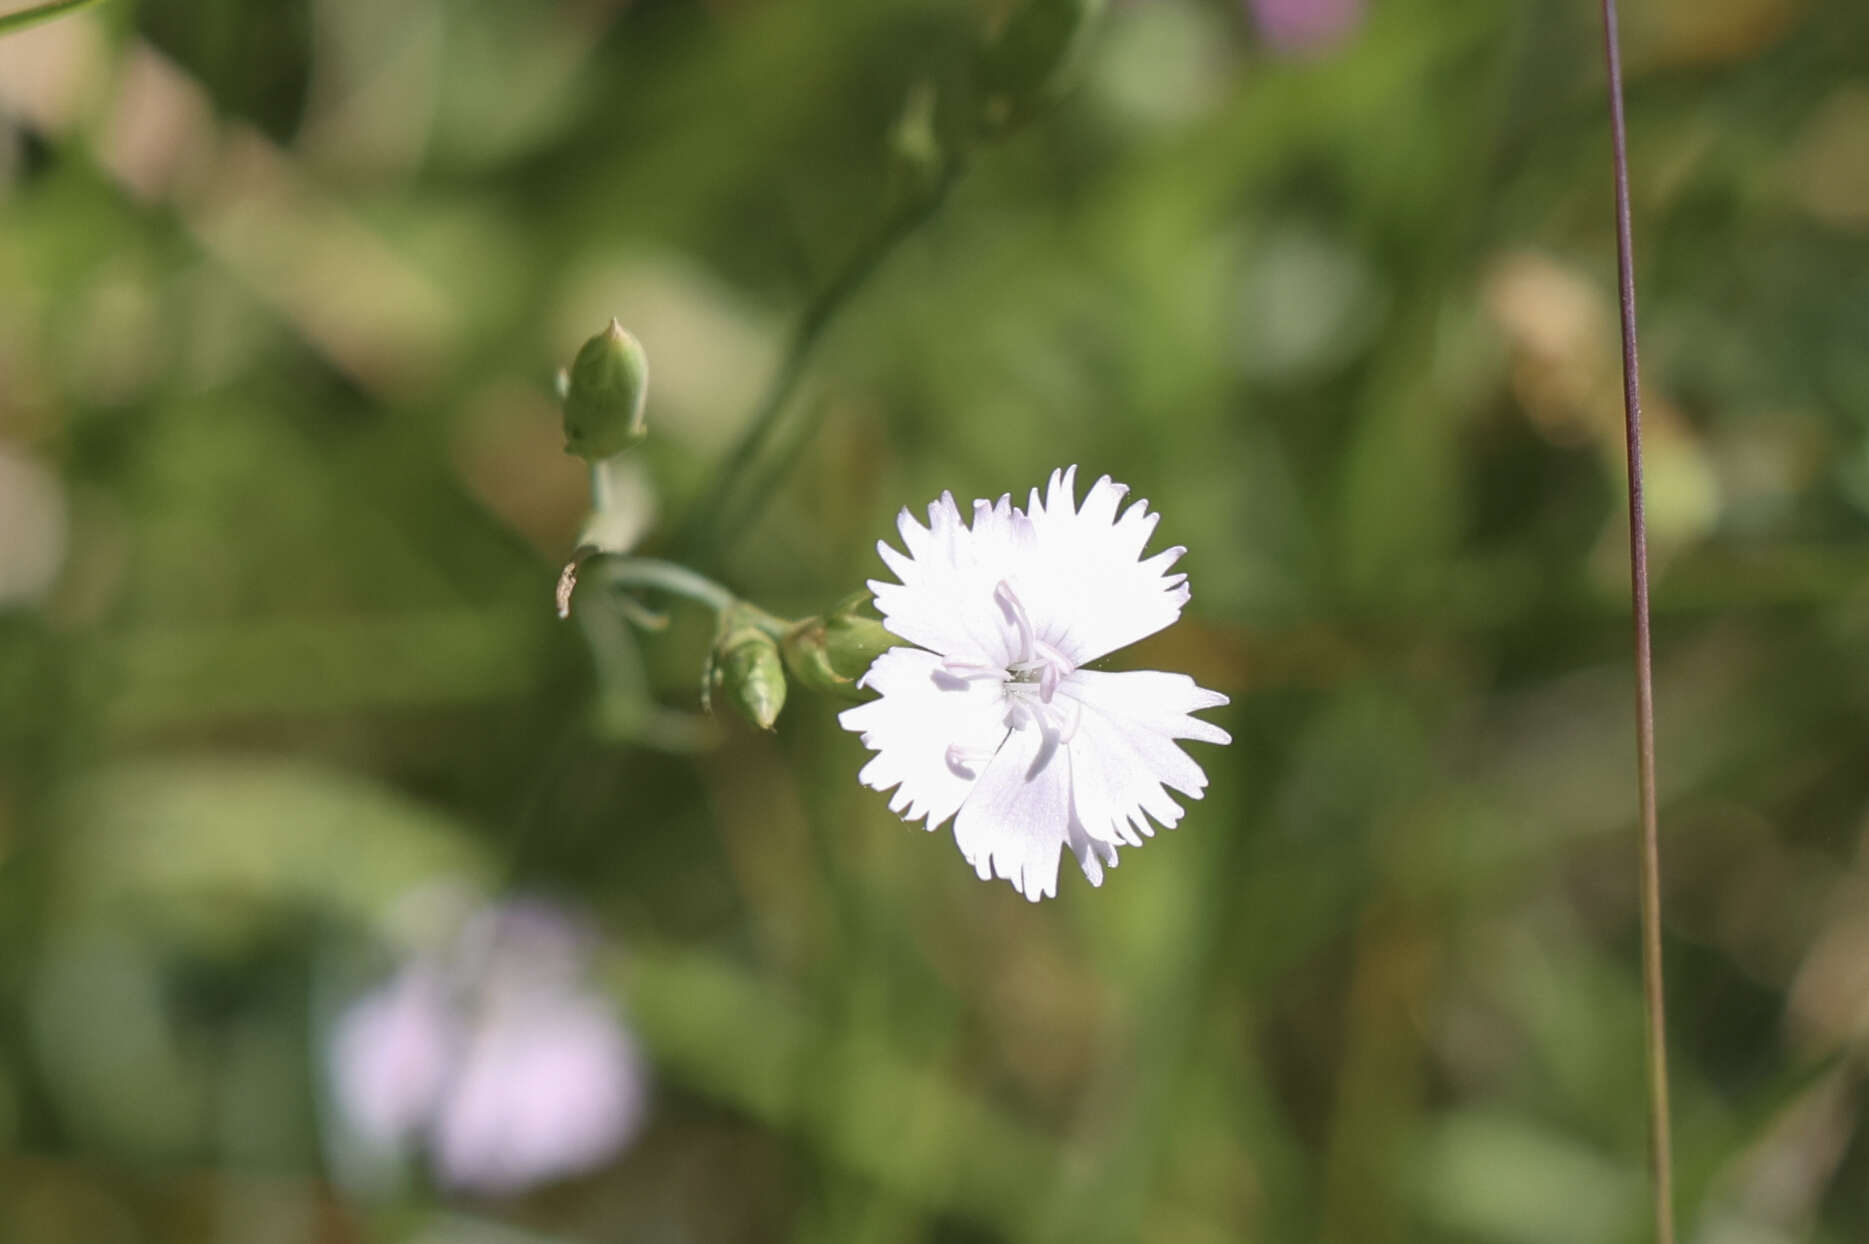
{"points": [[550, 1087], [494, 1054], [390, 1056], [1305, 25]]}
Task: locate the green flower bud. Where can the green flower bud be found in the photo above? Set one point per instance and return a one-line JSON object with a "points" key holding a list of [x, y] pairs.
{"points": [[832, 653], [746, 668], [1028, 64], [604, 395]]}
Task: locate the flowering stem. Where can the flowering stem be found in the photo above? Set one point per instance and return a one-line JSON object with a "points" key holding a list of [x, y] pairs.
{"points": [[1660, 1157], [10, 22], [711, 523], [603, 483], [646, 572]]}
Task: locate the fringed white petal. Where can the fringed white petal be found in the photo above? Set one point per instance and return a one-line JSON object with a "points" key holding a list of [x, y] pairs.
{"points": [[1021, 815], [1015, 821], [921, 716], [1092, 856], [1124, 752], [1085, 573], [944, 600]]}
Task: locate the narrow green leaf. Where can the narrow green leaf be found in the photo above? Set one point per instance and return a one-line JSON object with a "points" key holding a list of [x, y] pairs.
{"points": [[25, 18]]}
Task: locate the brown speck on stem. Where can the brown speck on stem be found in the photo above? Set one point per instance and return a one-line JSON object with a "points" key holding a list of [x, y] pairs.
{"points": [[568, 580]]}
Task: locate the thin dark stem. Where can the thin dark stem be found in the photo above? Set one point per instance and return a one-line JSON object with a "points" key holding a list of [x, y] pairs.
{"points": [[1660, 1144], [711, 524]]}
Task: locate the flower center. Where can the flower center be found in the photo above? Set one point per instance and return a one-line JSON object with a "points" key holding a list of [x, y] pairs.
{"points": [[1028, 684], [1034, 661]]}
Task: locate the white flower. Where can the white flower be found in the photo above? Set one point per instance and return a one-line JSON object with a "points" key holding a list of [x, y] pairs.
{"points": [[993, 720]]}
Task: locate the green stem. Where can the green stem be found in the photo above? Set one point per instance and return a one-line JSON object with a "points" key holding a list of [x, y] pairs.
{"points": [[710, 525], [24, 18], [646, 572], [603, 490]]}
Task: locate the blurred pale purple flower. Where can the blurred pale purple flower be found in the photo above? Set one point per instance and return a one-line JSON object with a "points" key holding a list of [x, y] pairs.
{"points": [[391, 1053], [549, 1087], [1305, 25], [494, 1054]]}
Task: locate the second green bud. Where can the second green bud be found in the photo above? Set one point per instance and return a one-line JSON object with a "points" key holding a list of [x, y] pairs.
{"points": [[746, 668]]}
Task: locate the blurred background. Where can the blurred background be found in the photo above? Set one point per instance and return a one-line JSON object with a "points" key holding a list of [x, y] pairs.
{"points": [[347, 895]]}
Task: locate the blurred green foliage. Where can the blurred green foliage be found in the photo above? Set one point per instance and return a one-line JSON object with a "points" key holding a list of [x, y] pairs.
{"points": [[282, 291]]}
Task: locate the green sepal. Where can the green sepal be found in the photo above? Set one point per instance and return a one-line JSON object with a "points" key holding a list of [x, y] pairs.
{"points": [[831, 653], [604, 395], [747, 669]]}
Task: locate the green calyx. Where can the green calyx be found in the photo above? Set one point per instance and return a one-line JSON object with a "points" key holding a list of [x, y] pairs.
{"points": [[745, 667], [604, 393], [831, 653], [754, 653]]}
